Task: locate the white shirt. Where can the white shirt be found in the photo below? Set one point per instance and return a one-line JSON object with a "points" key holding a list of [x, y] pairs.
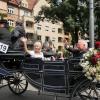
{"points": [[36, 55]]}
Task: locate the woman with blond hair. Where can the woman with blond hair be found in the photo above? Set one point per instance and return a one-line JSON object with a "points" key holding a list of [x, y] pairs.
{"points": [[36, 52]]}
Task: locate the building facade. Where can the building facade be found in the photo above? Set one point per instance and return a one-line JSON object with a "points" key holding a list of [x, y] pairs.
{"points": [[26, 10], [3, 8], [46, 30]]}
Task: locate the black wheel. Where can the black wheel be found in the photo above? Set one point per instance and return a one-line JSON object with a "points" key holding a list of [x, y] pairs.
{"points": [[86, 90], [18, 84]]}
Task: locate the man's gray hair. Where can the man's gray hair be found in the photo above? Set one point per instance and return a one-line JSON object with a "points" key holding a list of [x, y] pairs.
{"points": [[83, 42]]}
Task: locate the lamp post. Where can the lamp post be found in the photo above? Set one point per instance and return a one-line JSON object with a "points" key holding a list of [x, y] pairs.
{"points": [[91, 23]]}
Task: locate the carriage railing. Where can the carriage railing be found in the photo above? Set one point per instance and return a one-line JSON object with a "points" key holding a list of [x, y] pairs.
{"points": [[53, 76]]}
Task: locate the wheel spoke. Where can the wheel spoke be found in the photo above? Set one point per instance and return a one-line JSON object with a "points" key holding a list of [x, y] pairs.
{"points": [[21, 86], [88, 92], [18, 83]]}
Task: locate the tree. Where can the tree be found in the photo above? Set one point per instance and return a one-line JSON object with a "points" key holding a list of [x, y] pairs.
{"points": [[73, 13], [97, 18], [69, 12]]}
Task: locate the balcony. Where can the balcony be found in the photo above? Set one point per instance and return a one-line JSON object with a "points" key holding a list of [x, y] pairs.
{"points": [[28, 24]]}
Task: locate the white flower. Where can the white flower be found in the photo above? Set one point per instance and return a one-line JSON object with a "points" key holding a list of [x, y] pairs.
{"points": [[97, 77], [91, 49], [98, 69], [95, 52], [87, 62], [88, 74], [91, 71]]}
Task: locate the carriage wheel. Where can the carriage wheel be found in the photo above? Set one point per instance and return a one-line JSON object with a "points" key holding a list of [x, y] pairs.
{"points": [[86, 90], [18, 83]]}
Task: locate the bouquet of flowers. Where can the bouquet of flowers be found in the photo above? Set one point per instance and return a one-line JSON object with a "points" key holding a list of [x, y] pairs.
{"points": [[91, 64]]}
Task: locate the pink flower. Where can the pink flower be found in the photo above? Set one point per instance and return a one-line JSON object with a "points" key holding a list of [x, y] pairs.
{"points": [[95, 58], [97, 44]]}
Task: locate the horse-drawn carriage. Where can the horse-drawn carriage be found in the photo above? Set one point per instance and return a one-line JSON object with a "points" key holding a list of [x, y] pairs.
{"points": [[62, 78]]}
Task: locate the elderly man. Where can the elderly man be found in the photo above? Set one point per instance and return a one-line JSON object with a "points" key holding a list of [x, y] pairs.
{"points": [[79, 49]]}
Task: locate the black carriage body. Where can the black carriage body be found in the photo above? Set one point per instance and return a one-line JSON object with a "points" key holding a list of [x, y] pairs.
{"points": [[53, 76], [60, 77], [10, 62]]}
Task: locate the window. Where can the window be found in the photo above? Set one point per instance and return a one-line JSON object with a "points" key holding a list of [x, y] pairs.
{"points": [[53, 29], [53, 39], [24, 5], [38, 28], [47, 38], [59, 39], [46, 28], [38, 24], [10, 10], [29, 24], [26, 13], [39, 37], [59, 30], [29, 35], [60, 48], [10, 22], [47, 20]]}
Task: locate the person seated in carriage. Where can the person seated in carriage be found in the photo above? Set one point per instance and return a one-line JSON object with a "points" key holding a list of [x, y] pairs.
{"points": [[37, 47], [49, 50], [80, 48], [60, 55]]}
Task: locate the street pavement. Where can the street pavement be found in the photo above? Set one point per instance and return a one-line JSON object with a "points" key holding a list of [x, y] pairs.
{"points": [[30, 94]]}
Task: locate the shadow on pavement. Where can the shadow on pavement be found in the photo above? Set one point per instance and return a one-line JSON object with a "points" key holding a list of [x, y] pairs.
{"points": [[6, 94]]}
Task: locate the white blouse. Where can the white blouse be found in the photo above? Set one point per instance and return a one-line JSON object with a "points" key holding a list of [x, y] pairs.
{"points": [[36, 55]]}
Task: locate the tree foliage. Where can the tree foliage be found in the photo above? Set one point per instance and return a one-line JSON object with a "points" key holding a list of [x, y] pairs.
{"points": [[73, 13]]}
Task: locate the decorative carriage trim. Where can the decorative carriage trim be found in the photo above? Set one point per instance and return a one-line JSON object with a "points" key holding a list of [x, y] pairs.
{"points": [[31, 66], [3, 47]]}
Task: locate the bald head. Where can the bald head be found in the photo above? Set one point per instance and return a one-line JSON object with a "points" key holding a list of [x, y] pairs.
{"points": [[82, 45]]}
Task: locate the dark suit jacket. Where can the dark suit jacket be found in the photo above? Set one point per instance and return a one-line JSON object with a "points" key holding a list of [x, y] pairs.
{"points": [[76, 53], [15, 36]]}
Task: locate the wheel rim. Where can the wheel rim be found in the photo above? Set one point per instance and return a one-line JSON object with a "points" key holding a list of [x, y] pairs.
{"points": [[89, 92], [18, 83]]}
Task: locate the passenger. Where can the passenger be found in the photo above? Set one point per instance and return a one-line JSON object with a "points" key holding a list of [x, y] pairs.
{"points": [[60, 55], [49, 51], [80, 48], [49, 47], [36, 53]]}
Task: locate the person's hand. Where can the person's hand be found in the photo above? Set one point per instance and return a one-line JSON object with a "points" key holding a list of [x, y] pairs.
{"points": [[23, 39], [66, 44]]}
